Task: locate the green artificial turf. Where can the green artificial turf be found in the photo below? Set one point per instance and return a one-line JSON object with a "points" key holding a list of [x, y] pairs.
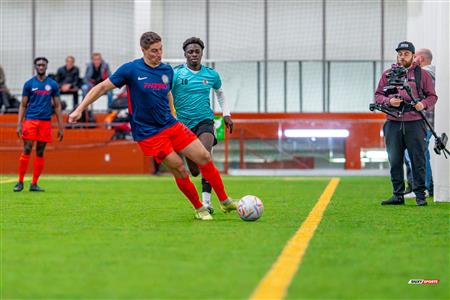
{"points": [[129, 237]]}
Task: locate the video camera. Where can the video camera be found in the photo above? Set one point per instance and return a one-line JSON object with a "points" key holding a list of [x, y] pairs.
{"points": [[397, 75], [398, 80]]}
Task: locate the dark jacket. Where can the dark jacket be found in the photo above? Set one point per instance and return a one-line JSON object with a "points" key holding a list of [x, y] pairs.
{"points": [[71, 76]]}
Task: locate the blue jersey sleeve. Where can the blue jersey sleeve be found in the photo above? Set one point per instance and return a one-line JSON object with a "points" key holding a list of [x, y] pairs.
{"points": [[217, 81], [55, 89], [120, 76], [26, 89]]}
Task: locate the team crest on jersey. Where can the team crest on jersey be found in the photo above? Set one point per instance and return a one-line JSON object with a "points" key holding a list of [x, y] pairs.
{"points": [[205, 81], [48, 87], [165, 79]]}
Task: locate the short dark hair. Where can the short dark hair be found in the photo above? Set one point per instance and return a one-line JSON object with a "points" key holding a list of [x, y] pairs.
{"points": [[95, 54], [148, 38], [193, 40], [40, 58]]}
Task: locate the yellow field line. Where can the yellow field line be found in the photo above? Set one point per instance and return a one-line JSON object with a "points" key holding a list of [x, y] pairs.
{"points": [[276, 282], [8, 180]]}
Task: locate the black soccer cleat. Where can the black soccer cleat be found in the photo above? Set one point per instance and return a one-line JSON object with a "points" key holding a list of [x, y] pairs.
{"points": [[394, 200], [421, 202], [18, 187], [36, 188]]}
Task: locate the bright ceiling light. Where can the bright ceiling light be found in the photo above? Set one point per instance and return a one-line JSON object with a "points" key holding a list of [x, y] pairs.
{"points": [[317, 133]]}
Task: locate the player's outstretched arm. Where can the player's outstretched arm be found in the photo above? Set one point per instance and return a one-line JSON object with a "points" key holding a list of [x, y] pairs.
{"points": [[225, 110], [23, 106], [95, 93]]}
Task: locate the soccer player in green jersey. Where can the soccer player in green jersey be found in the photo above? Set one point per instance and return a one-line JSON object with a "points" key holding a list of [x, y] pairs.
{"points": [[192, 84]]}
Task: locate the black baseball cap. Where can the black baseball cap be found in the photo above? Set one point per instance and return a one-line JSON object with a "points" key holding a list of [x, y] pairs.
{"points": [[406, 46]]}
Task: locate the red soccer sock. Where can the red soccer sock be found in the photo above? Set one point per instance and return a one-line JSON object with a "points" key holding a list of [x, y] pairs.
{"points": [[23, 166], [212, 175], [187, 187], [37, 169]]}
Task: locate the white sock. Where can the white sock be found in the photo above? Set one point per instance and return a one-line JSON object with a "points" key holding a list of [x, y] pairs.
{"points": [[206, 198]]}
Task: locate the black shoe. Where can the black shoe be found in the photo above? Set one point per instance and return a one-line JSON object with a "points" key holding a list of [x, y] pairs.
{"points": [[394, 200], [35, 188], [18, 187], [421, 202]]}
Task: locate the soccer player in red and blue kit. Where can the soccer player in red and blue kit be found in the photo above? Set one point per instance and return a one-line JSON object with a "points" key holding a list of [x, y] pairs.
{"points": [[40, 94], [157, 132]]}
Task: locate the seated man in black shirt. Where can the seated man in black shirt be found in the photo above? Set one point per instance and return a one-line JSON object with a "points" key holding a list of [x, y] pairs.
{"points": [[68, 78]]}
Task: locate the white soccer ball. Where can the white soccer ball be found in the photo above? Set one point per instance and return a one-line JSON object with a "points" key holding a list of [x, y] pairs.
{"points": [[250, 208]]}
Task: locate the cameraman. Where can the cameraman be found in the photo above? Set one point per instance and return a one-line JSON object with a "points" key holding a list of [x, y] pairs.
{"points": [[409, 131]]}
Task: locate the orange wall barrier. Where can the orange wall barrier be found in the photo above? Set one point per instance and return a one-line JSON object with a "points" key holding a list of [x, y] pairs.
{"points": [[82, 151], [91, 151], [364, 129], [111, 158]]}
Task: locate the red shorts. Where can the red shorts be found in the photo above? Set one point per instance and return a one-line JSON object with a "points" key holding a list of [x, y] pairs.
{"points": [[37, 130], [174, 138]]}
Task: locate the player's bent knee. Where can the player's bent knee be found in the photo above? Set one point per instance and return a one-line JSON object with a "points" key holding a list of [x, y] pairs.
{"points": [[27, 149], [184, 174], [181, 170], [204, 158], [40, 151]]}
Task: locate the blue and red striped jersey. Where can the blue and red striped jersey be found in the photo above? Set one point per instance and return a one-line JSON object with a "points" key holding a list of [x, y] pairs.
{"points": [[148, 104], [40, 94]]}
